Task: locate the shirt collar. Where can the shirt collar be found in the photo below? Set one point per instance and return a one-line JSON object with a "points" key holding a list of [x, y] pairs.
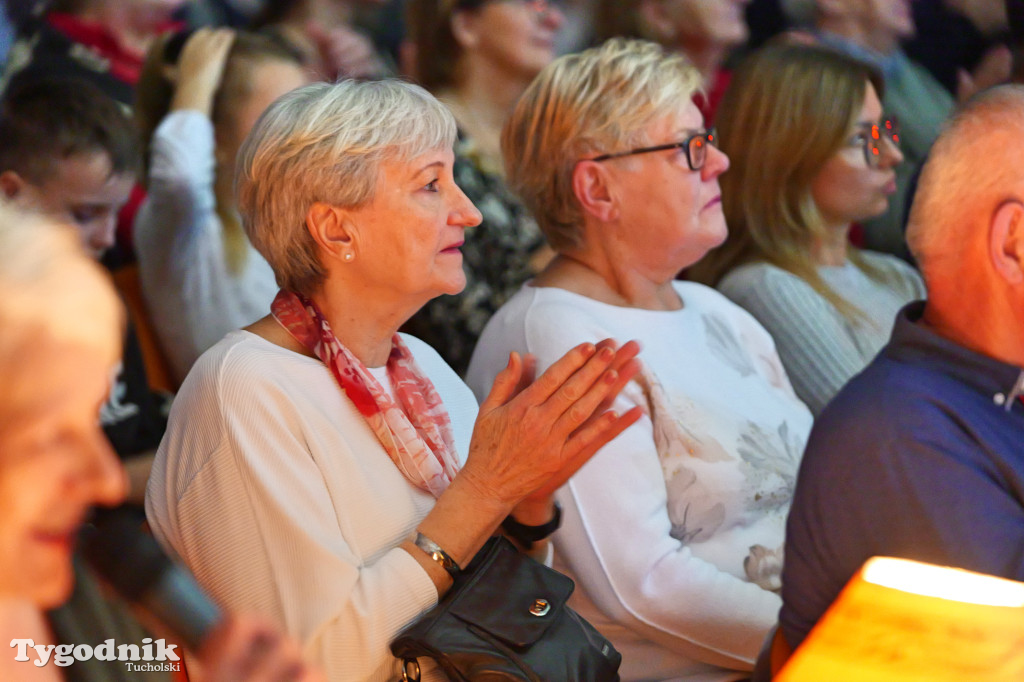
{"points": [[913, 341]]}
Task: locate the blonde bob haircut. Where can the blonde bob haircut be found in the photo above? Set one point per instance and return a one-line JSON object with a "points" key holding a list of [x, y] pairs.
{"points": [[788, 110], [324, 143], [597, 101]]}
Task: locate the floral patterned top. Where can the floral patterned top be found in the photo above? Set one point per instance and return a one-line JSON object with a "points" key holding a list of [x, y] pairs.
{"points": [[496, 259], [674, 531]]}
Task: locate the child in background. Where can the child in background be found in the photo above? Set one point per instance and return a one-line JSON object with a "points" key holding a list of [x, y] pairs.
{"points": [[196, 103]]}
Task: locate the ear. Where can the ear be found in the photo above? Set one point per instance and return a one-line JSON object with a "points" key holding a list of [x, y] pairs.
{"points": [[465, 29], [590, 184], [1006, 241], [331, 230], [656, 20], [11, 184]]}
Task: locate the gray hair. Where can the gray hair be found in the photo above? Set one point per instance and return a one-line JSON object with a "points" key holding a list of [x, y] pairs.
{"points": [[324, 143], [973, 167]]}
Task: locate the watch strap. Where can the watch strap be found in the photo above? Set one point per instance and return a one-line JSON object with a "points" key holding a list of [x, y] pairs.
{"points": [[527, 535]]}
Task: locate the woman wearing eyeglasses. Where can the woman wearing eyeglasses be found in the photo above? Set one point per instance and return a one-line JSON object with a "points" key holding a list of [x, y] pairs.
{"points": [[674, 530], [478, 56], [813, 154]]}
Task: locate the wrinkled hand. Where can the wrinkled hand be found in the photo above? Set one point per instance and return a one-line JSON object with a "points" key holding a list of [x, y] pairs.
{"points": [[531, 436], [345, 53], [200, 68], [245, 649]]}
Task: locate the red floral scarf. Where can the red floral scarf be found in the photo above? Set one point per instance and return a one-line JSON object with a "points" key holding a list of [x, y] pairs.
{"points": [[417, 432]]}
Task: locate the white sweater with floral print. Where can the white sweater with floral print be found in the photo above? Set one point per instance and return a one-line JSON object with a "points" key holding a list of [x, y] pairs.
{"points": [[674, 531]]}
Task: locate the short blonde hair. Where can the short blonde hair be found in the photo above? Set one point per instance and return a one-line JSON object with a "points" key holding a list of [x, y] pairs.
{"points": [[324, 143], [973, 166], [599, 100]]}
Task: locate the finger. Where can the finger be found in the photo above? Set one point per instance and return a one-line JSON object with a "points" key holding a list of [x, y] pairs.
{"points": [[558, 373], [581, 383], [281, 663], [627, 373], [600, 431], [623, 353], [576, 411], [235, 650], [588, 440], [506, 384], [529, 372]]}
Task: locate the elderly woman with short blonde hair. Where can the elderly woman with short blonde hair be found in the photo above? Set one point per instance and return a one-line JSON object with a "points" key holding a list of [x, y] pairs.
{"points": [[674, 530], [323, 469]]}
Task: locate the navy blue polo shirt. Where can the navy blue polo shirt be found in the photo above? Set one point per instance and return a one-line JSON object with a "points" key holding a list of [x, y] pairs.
{"points": [[920, 456]]}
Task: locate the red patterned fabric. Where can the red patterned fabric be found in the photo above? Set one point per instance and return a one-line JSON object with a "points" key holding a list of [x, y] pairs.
{"points": [[416, 432]]}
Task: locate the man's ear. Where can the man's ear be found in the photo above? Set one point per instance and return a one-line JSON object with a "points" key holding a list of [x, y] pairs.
{"points": [[1006, 241], [591, 185], [331, 229], [11, 184]]}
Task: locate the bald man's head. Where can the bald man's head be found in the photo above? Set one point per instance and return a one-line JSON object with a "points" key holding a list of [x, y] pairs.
{"points": [[975, 165]]}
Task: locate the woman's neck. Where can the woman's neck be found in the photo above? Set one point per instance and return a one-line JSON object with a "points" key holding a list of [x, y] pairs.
{"points": [[707, 57], [363, 321], [588, 273], [482, 101], [834, 248]]}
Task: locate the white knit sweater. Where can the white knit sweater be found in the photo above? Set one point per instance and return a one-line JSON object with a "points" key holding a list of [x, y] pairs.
{"points": [[276, 493]]}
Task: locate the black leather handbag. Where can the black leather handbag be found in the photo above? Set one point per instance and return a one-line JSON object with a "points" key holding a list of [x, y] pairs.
{"points": [[506, 618]]}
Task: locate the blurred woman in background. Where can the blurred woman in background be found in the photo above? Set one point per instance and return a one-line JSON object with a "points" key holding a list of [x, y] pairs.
{"points": [[323, 32], [813, 153], [200, 276], [706, 31], [478, 57]]}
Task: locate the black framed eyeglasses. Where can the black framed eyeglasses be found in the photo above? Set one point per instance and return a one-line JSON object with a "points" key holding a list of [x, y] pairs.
{"points": [[871, 137], [695, 146]]}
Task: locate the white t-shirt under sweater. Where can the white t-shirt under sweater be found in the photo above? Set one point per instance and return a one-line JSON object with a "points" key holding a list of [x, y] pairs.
{"points": [[820, 348], [667, 529], [276, 493], [192, 296]]}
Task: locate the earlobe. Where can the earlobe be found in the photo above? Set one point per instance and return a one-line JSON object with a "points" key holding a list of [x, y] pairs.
{"points": [[11, 184], [591, 186], [331, 229], [1006, 241]]}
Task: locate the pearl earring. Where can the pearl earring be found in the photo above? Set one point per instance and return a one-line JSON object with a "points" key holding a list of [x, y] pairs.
{"points": [[348, 256]]}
